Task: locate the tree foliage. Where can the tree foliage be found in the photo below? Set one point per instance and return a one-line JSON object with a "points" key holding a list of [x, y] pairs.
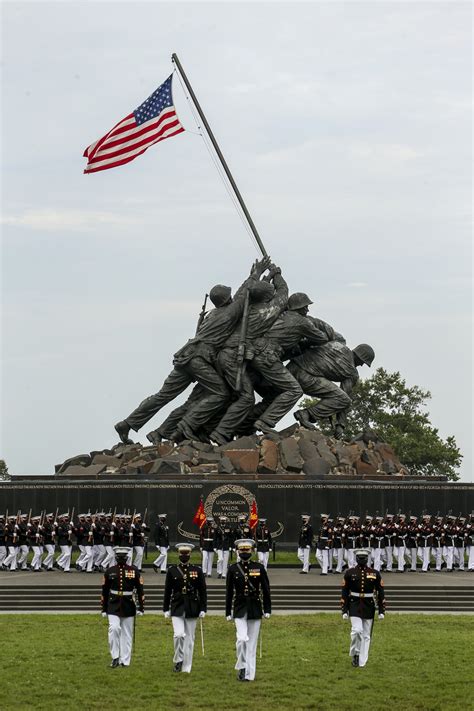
{"points": [[4, 474], [397, 412]]}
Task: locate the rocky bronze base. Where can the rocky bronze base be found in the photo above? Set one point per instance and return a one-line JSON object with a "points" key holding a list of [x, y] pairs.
{"points": [[295, 450]]}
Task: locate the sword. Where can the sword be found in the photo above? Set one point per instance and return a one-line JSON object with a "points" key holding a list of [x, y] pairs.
{"points": [[261, 643], [202, 636]]}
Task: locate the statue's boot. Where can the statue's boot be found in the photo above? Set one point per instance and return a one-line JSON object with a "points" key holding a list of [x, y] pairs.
{"points": [[217, 438], [262, 426], [302, 417], [155, 437], [122, 428], [186, 430]]}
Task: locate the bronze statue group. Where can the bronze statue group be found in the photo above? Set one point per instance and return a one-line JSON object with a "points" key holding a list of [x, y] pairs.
{"points": [[260, 343]]}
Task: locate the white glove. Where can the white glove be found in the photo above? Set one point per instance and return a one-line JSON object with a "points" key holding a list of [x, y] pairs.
{"points": [[267, 615], [104, 614], [167, 614], [229, 618], [140, 613], [381, 616], [345, 616], [307, 546], [202, 614]]}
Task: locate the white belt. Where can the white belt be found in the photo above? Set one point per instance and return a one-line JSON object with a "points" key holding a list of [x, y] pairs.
{"points": [[121, 593], [356, 594]]}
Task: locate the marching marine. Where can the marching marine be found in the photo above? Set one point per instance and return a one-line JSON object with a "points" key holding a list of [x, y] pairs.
{"points": [[162, 542], [185, 600], [118, 605], [263, 538], [360, 586], [304, 542], [224, 543], [247, 601], [207, 542]]}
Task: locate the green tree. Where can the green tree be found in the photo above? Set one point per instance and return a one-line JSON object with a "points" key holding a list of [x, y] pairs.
{"points": [[4, 475], [397, 412]]}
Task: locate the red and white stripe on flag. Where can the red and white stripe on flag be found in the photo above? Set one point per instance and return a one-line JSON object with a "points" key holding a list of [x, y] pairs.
{"points": [[153, 121]]}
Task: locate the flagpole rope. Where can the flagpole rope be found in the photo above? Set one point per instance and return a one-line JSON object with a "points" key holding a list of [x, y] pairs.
{"points": [[217, 165]]}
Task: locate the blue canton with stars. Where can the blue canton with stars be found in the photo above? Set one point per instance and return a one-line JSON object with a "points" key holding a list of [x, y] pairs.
{"points": [[154, 105]]}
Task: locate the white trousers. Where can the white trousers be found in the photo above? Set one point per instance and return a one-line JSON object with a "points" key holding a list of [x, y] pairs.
{"points": [[86, 559], [324, 559], [222, 562], [36, 560], [459, 557], [49, 557], [109, 559], [399, 552], [438, 556], [389, 557], [377, 558], [220, 558], [360, 639], [412, 552], [350, 557], [246, 645], [3, 554], [424, 555], [184, 630], [448, 555], [207, 558], [470, 560], [11, 559], [64, 560], [303, 555], [98, 554], [162, 559], [22, 556], [338, 557], [138, 562], [120, 638], [130, 555], [263, 558]]}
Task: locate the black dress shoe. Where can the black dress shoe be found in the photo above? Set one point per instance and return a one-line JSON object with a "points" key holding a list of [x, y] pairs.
{"points": [[303, 572], [241, 675], [122, 429], [178, 666], [355, 660], [115, 663]]}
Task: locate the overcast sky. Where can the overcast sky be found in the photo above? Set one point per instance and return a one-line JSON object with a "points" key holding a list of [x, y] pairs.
{"points": [[348, 129]]}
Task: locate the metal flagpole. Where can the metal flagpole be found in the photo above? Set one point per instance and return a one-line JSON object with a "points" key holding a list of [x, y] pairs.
{"points": [[176, 61]]}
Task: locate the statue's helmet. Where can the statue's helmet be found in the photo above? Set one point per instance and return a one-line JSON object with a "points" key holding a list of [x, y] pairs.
{"points": [[261, 291], [220, 294], [365, 352], [298, 300]]}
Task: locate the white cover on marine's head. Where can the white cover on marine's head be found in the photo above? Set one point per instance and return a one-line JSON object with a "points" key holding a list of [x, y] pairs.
{"points": [[245, 543], [184, 547], [121, 550], [362, 552]]}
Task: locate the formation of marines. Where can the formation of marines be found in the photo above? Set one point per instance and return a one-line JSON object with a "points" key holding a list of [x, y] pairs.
{"points": [[95, 535], [260, 342], [395, 542]]}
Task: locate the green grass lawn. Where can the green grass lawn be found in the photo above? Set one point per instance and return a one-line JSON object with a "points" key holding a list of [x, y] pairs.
{"points": [[416, 663]]}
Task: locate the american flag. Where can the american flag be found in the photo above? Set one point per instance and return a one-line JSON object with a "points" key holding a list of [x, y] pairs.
{"points": [[153, 121]]}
